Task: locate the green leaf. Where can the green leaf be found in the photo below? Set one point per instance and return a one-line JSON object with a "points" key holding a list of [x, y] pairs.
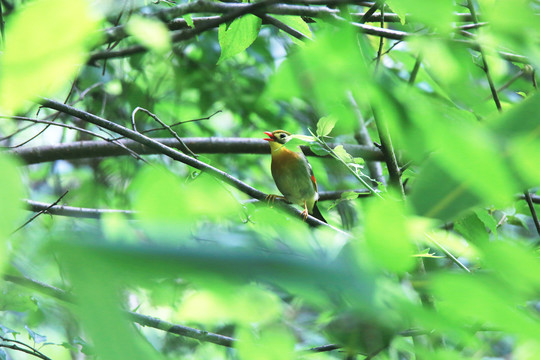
{"points": [[472, 228], [519, 132], [46, 42], [238, 36], [325, 125], [150, 33], [37, 338], [275, 341], [318, 149], [189, 20], [437, 194], [487, 219], [343, 154], [349, 195]]}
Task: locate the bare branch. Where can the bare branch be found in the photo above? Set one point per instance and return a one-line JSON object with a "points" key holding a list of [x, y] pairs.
{"points": [[39, 213], [72, 211], [210, 145]]}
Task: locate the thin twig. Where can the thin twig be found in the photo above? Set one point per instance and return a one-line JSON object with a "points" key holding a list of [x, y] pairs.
{"points": [[389, 154], [351, 170], [448, 253], [367, 16], [381, 39], [529, 200], [492, 87], [363, 138], [71, 127], [183, 146], [416, 68], [72, 211], [39, 213], [25, 349], [284, 27]]}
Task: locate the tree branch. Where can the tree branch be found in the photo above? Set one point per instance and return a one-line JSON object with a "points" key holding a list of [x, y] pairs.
{"points": [[71, 211], [210, 145], [90, 213]]}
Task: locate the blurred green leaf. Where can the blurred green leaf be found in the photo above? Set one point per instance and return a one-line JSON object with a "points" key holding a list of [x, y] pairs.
{"points": [[34, 336], [516, 265], [164, 201], [220, 264], [266, 343], [306, 74], [238, 36], [153, 34], [436, 14], [242, 305], [437, 194], [478, 299], [11, 193], [519, 132], [99, 307], [472, 228], [46, 42], [387, 236]]}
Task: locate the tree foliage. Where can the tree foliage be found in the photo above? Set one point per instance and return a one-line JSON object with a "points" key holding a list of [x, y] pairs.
{"points": [[135, 222]]}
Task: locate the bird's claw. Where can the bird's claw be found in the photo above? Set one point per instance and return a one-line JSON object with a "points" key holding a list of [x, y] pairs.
{"points": [[305, 214], [270, 199]]}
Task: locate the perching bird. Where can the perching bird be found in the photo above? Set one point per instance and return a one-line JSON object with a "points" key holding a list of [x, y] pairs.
{"points": [[292, 174]]}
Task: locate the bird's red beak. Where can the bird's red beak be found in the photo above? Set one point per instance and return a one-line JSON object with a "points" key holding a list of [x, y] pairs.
{"points": [[270, 135]]}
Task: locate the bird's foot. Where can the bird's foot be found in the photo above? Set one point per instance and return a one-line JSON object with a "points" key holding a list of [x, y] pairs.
{"points": [[270, 199], [305, 214]]}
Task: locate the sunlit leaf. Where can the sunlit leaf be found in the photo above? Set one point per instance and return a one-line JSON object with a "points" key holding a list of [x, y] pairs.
{"points": [[46, 42], [325, 125], [238, 36], [343, 154], [189, 20], [240, 305]]}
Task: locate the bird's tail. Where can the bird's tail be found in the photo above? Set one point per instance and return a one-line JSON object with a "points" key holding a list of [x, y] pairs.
{"points": [[317, 213]]}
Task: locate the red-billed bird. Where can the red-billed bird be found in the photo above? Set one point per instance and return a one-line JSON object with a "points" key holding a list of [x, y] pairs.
{"points": [[293, 175]]}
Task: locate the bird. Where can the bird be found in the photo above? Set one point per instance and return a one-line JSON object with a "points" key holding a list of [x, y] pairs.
{"points": [[293, 174]]}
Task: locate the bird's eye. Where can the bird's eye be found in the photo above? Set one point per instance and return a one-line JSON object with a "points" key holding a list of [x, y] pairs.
{"points": [[282, 136]]}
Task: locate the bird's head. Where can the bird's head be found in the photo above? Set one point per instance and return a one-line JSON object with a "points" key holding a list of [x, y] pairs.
{"points": [[279, 136]]}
